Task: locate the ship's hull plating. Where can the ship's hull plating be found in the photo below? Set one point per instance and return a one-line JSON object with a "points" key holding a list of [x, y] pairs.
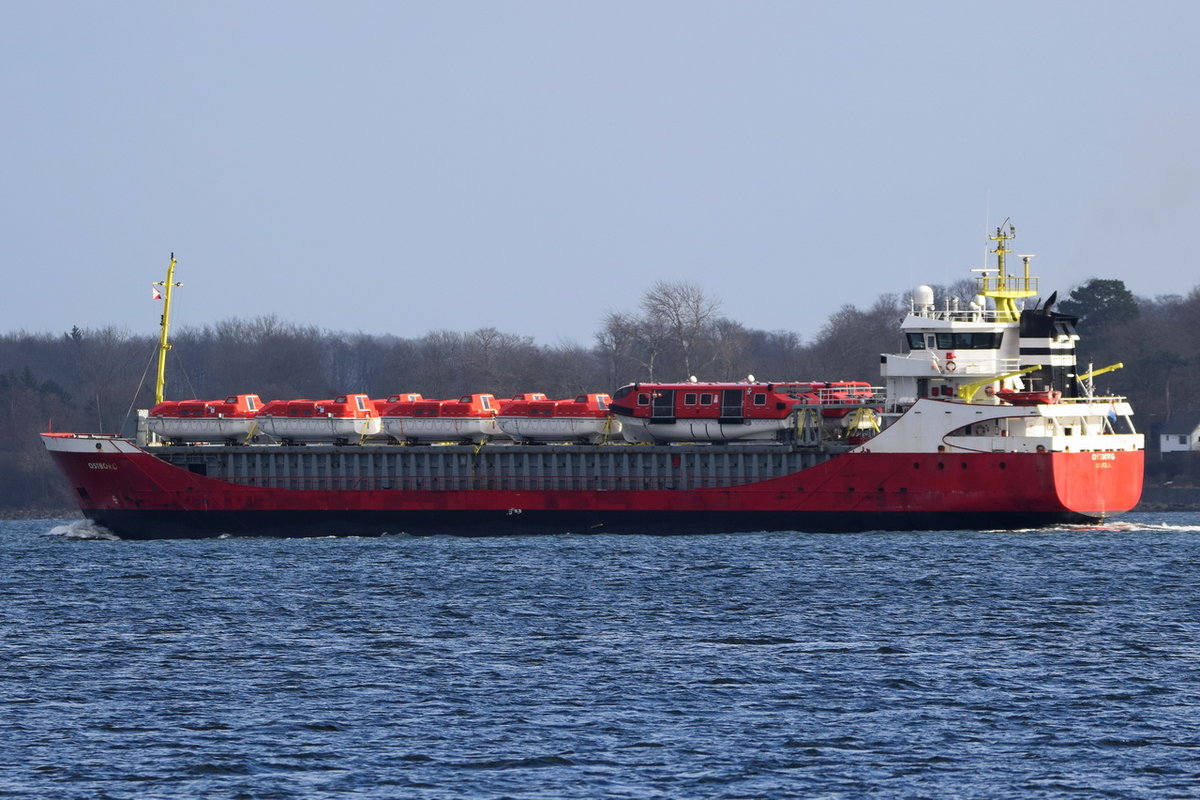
{"points": [[138, 495]]}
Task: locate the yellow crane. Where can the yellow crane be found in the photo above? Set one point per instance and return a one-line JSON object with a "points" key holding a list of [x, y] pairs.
{"points": [[967, 391], [1087, 376], [1085, 380]]}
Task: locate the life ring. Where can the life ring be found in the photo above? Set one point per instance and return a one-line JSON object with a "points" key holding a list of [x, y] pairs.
{"points": [[951, 366], [990, 391]]}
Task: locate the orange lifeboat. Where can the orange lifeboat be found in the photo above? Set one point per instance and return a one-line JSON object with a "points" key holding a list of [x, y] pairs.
{"points": [[401, 397], [584, 419], [343, 419], [470, 418], [1035, 398], [523, 397], [228, 420]]}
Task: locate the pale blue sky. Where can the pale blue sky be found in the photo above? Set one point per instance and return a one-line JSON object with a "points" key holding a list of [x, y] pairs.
{"points": [[397, 167]]}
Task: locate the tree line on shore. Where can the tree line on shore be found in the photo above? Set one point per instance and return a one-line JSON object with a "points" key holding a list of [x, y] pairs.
{"points": [[96, 379]]}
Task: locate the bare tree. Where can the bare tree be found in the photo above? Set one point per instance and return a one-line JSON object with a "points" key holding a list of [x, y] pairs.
{"points": [[631, 346], [491, 358], [685, 312], [730, 342], [627, 344], [851, 341], [442, 365]]}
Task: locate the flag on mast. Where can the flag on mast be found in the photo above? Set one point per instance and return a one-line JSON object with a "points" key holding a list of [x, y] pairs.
{"points": [[155, 293]]}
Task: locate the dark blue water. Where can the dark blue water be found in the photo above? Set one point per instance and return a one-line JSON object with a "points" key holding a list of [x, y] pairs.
{"points": [[1035, 664]]}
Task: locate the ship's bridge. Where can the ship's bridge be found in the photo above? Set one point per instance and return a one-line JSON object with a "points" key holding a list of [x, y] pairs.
{"points": [[955, 349], [931, 336], [953, 341], [950, 347]]}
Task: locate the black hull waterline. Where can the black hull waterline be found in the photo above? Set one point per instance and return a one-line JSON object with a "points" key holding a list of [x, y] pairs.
{"points": [[144, 525]]}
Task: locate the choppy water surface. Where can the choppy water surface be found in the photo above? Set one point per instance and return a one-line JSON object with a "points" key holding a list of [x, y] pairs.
{"points": [[973, 664]]}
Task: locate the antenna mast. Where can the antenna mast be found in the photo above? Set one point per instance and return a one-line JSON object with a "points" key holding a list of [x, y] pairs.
{"points": [[1006, 289]]}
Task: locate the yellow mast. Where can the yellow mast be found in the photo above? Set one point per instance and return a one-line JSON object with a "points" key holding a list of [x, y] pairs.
{"points": [[163, 345], [1005, 288]]}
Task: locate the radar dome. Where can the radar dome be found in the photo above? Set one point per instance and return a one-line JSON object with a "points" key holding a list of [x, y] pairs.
{"points": [[923, 296]]}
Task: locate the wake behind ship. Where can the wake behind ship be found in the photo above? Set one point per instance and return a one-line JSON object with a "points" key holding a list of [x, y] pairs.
{"points": [[983, 422]]}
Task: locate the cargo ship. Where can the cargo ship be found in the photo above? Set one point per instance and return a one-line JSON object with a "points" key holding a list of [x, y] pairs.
{"points": [[984, 421]]}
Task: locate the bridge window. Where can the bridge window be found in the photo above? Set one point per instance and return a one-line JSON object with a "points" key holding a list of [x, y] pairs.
{"points": [[986, 340], [916, 341]]}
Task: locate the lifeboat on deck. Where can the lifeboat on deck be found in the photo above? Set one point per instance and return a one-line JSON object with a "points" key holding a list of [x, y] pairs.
{"points": [[1030, 398], [403, 397], [703, 412], [346, 418], [228, 420], [470, 418], [736, 412], [585, 419], [523, 397]]}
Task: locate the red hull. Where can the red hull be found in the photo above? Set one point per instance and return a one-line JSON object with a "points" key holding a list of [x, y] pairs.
{"points": [[139, 495]]}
